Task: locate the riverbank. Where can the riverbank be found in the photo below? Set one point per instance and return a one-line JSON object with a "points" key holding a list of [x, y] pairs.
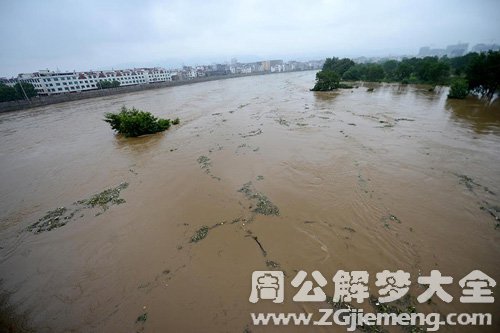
{"points": [[68, 97]]}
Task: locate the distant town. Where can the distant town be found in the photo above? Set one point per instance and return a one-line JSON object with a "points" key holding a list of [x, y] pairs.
{"points": [[47, 82]]}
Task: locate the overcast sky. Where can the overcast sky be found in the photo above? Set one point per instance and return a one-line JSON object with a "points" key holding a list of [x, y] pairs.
{"points": [[88, 34]]}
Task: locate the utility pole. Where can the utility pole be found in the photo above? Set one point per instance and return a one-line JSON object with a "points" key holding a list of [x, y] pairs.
{"points": [[24, 92]]}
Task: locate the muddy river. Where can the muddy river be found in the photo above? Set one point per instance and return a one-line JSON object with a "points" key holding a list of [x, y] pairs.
{"points": [[284, 179]]}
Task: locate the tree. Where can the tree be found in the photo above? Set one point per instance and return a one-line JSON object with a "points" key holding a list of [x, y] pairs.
{"points": [[29, 89], [7, 93], [483, 73], [353, 74], [106, 84], [459, 89], [326, 80], [431, 70], [459, 65], [338, 65], [374, 73], [390, 68], [403, 71]]}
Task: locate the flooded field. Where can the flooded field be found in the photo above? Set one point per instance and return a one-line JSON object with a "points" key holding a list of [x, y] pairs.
{"points": [[161, 233]]}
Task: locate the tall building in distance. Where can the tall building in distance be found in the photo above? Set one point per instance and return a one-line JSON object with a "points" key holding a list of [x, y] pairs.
{"points": [[485, 48], [450, 51], [457, 50]]}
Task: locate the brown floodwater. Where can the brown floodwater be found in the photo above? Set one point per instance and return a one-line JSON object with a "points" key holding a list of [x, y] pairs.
{"points": [[397, 178]]}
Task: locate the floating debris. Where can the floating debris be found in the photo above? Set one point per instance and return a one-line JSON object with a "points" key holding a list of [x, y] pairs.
{"points": [[218, 147], [471, 184], [263, 205], [282, 122], [252, 133], [53, 219], [105, 198], [199, 234], [272, 264], [390, 218], [468, 182], [205, 163], [218, 224], [245, 147], [246, 189], [61, 216], [494, 211], [264, 253], [142, 318], [404, 305], [404, 119], [236, 220], [260, 177]]}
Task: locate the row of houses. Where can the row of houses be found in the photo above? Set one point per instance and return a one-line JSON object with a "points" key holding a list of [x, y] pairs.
{"points": [[267, 66], [48, 82]]}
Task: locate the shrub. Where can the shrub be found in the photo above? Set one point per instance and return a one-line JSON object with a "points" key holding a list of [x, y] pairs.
{"points": [[134, 122], [176, 121], [459, 89]]}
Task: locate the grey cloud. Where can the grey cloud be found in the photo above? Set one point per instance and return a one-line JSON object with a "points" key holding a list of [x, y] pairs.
{"points": [[101, 34]]}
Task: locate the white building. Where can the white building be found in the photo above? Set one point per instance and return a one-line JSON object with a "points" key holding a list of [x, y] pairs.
{"points": [[277, 68], [48, 82]]}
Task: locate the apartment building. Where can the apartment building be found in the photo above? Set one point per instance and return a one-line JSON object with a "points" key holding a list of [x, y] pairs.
{"points": [[49, 82]]}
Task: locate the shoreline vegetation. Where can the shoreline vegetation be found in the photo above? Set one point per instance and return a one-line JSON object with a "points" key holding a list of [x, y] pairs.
{"points": [[471, 74]]}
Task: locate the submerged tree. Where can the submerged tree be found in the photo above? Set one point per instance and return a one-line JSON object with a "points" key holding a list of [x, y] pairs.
{"points": [[340, 66], [374, 73], [483, 73], [459, 89], [134, 122], [326, 80]]}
